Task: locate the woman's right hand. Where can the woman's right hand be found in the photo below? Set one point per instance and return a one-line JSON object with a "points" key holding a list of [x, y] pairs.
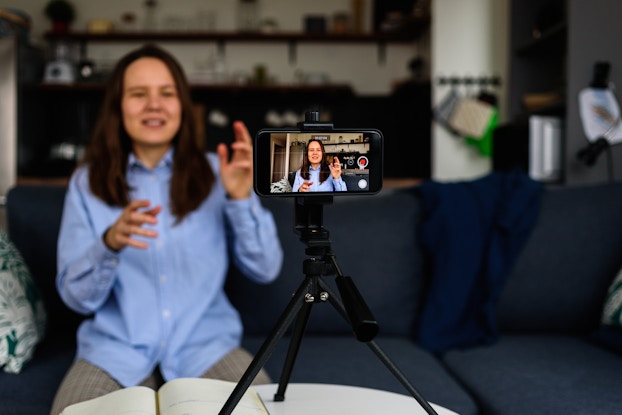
{"points": [[305, 186], [335, 168], [130, 223]]}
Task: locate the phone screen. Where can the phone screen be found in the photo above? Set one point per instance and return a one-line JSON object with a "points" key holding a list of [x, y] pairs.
{"points": [[307, 163]]}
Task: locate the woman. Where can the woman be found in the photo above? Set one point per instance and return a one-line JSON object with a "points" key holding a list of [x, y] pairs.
{"points": [[316, 175], [147, 229]]}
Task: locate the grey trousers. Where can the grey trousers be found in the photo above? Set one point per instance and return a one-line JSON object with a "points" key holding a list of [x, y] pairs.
{"points": [[85, 381]]}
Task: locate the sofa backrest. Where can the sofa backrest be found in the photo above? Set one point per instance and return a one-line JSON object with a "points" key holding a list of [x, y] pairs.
{"points": [[558, 283], [33, 220], [372, 237], [374, 240], [560, 279]]}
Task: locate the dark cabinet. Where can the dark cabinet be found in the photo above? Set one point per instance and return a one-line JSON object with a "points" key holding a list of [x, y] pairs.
{"points": [[58, 119], [554, 46], [538, 57]]}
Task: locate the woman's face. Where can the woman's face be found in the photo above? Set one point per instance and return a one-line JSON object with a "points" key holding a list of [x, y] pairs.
{"points": [[314, 152], [150, 106]]}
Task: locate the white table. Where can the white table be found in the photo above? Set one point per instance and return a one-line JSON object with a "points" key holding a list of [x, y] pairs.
{"points": [[327, 399]]}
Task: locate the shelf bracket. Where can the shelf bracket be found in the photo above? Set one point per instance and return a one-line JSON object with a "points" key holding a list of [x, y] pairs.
{"points": [[222, 48], [382, 53], [292, 52]]}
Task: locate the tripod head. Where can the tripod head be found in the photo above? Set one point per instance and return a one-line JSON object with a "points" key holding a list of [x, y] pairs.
{"points": [[312, 123], [308, 216]]}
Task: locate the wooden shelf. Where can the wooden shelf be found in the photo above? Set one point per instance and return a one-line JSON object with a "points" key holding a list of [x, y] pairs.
{"points": [[344, 90], [199, 36], [291, 38]]}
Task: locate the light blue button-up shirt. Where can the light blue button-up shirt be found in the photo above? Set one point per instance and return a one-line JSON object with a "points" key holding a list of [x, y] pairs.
{"points": [[164, 305], [329, 185]]}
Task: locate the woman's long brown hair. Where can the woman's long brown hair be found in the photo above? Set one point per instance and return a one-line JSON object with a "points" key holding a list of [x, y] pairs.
{"points": [[110, 146], [324, 169]]}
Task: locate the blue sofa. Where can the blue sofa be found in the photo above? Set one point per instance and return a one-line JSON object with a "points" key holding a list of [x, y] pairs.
{"points": [[545, 358]]}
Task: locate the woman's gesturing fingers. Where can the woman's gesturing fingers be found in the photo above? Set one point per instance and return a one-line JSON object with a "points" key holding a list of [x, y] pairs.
{"points": [[130, 224]]}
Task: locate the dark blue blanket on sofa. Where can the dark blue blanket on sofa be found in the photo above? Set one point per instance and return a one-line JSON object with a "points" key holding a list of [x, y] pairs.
{"points": [[471, 233]]}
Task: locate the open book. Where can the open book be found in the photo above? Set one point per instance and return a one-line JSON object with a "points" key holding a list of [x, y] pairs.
{"points": [[184, 396]]}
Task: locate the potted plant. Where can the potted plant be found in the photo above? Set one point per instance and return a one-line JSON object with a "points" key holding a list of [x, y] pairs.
{"points": [[61, 13]]}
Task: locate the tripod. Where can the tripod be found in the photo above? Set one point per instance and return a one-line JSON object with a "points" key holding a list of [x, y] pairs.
{"points": [[308, 217]]}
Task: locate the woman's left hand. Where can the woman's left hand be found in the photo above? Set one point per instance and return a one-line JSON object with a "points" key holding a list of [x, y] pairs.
{"points": [[335, 168], [237, 173]]}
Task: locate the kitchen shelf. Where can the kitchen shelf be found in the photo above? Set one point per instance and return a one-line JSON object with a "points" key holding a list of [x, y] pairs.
{"points": [[201, 36], [324, 90], [221, 38]]}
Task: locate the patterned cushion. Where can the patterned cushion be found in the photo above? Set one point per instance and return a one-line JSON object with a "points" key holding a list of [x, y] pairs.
{"points": [[612, 312], [282, 186], [22, 315]]}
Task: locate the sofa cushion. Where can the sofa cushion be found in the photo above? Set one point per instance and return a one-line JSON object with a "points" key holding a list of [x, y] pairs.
{"points": [[32, 391], [540, 374], [560, 280], [22, 314], [374, 242], [608, 337]]}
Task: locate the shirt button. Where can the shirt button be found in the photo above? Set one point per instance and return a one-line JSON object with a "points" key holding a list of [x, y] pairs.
{"points": [[162, 278], [159, 244], [166, 314]]}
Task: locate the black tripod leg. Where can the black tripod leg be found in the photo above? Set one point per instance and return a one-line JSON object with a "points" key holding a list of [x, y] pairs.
{"points": [[292, 352], [400, 377], [266, 349], [338, 305]]}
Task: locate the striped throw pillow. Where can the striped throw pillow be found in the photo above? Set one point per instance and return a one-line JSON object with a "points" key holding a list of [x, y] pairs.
{"points": [[22, 315], [612, 312]]}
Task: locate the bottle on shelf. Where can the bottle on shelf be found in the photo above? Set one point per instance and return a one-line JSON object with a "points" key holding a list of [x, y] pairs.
{"points": [[248, 15]]}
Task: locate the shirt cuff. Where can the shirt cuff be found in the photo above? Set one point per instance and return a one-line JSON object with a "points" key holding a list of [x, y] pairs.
{"points": [[237, 207], [107, 259]]}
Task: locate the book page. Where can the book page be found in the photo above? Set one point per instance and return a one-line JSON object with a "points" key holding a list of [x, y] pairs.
{"points": [[138, 400], [196, 396]]}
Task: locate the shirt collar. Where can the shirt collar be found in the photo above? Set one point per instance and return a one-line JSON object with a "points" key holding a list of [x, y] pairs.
{"points": [[166, 161]]}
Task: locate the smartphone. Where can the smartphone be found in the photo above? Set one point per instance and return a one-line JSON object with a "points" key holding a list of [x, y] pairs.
{"points": [[337, 162]]}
